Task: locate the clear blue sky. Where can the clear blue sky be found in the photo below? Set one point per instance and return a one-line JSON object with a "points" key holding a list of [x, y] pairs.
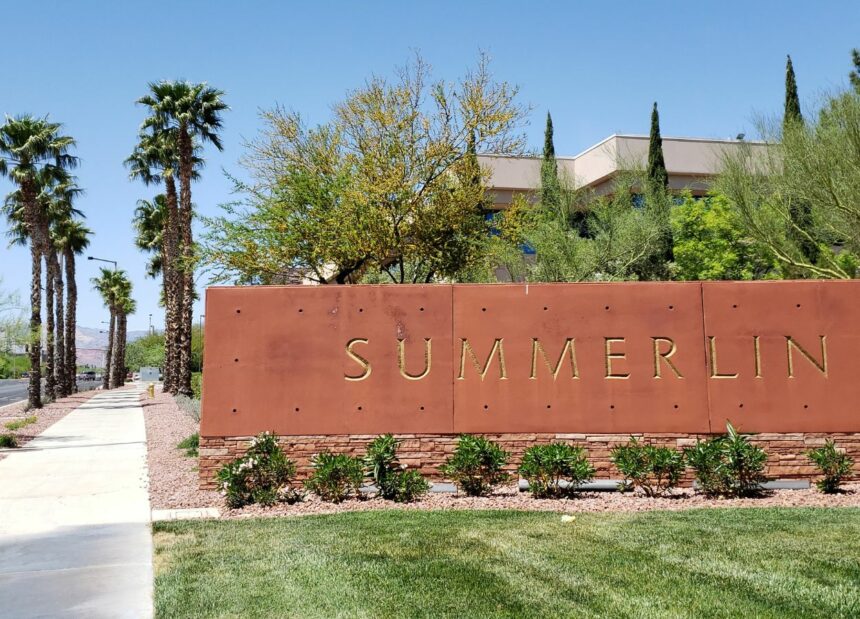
{"points": [[596, 66]]}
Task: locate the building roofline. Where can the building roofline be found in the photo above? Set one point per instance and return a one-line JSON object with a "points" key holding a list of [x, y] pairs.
{"points": [[629, 136]]}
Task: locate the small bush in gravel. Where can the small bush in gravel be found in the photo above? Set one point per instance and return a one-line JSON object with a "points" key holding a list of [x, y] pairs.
{"points": [[262, 475], [546, 466], [335, 477], [476, 465], [656, 470], [8, 441], [834, 464], [21, 423], [394, 482], [728, 465], [191, 445], [189, 406]]}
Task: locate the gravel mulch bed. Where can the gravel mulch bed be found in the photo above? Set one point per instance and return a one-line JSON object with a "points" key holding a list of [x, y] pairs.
{"points": [[511, 498], [173, 482], [46, 416]]}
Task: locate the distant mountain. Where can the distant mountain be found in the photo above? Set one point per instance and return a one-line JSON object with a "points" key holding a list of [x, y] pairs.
{"points": [[91, 344]]}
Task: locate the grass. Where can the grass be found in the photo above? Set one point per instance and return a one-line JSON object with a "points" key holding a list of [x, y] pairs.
{"points": [[190, 444], [8, 441], [397, 563], [20, 423]]}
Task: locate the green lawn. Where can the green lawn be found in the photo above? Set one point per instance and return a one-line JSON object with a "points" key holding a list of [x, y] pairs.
{"points": [[702, 563]]}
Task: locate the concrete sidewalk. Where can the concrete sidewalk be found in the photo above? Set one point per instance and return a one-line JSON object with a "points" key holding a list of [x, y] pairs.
{"points": [[74, 516]]}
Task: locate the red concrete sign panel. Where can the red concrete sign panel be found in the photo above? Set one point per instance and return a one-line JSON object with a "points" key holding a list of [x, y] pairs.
{"points": [[624, 357], [782, 356], [326, 360], [591, 358]]}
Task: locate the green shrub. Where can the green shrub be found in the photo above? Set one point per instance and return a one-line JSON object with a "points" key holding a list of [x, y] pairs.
{"points": [[728, 465], [476, 465], [262, 475], [191, 445], [834, 464], [21, 423], [189, 406], [656, 470], [8, 441], [335, 477], [546, 466], [395, 483], [197, 384]]}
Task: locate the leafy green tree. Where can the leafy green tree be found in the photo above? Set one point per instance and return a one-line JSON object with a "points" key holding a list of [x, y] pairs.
{"points": [[814, 164], [624, 242], [147, 351], [710, 243], [31, 148], [387, 187]]}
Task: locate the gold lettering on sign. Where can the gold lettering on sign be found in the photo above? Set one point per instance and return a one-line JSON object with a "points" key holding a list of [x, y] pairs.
{"points": [[666, 357], [364, 363], [401, 359], [712, 354], [609, 341], [791, 344], [498, 346], [757, 347], [569, 348]]}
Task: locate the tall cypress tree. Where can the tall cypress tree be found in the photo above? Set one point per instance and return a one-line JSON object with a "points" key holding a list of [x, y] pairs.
{"points": [[657, 174], [801, 215], [854, 76], [550, 187], [792, 101]]}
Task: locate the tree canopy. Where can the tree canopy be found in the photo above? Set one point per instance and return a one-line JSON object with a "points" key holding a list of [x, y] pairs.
{"points": [[387, 186]]}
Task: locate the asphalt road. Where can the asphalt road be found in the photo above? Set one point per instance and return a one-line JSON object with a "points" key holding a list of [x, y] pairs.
{"points": [[14, 390]]}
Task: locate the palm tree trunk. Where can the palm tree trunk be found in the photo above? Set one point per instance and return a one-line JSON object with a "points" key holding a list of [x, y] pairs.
{"points": [[117, 361], [106, 379], [172, 296], [60, 342], [50, 377], [186, 242], [122, 336], [34, 389], [71, 321]]}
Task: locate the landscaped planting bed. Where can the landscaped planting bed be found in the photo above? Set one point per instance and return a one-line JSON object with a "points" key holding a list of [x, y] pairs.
{"points": [[703, 563], [174, 484]]}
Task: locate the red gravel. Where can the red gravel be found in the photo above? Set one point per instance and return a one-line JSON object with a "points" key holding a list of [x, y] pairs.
{"points": [[46, 416], [174, 484]]}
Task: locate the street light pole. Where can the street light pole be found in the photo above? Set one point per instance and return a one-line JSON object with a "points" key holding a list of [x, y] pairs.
{"points": [[150, 325], [113, 262]]}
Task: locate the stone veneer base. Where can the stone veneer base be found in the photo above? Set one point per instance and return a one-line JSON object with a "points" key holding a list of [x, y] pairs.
{"points": [[786, 451]]}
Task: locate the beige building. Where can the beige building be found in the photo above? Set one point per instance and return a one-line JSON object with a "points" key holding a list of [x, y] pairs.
{"points": [[690, 162]]}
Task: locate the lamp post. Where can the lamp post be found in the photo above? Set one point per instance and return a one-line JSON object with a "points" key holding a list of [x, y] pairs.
{"points": [[113, 262], [151, 332]]}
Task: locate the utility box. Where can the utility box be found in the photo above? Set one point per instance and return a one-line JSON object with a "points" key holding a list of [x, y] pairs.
{"points": [[150, 375]]}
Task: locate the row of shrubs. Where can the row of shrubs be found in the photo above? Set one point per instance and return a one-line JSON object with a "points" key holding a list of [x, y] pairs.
{"points": [[728, 465]]}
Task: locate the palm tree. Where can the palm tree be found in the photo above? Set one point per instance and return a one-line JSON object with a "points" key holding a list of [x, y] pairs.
{"points": [[30, 147], [149, 220], [71, 238], [114, 287], [125, 305], [191, 113], [155, 159]]}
